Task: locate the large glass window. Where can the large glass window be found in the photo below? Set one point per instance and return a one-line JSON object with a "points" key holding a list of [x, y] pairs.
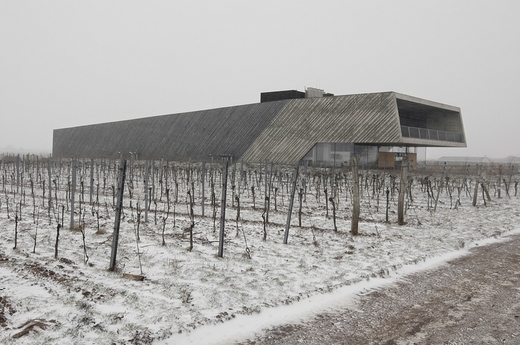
{"points": [[338, 154]]}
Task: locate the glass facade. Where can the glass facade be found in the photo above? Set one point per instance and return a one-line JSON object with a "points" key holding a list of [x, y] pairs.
{"points": [[338, 154]]}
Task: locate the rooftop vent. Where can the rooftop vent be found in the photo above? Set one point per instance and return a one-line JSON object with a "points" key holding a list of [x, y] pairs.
{"points": [[311, 92]]}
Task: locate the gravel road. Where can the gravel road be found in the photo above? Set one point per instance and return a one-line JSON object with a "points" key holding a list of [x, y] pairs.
{"points": [[474, 299]]}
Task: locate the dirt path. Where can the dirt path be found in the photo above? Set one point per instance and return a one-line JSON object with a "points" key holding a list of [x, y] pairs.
{"points": [[471, 300]]}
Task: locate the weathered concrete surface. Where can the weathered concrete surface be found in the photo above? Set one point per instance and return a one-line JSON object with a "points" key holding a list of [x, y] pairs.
{"points": [[474, 299]]}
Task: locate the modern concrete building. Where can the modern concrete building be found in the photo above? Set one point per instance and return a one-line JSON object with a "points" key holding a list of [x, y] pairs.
{"points": [[286, 127]]}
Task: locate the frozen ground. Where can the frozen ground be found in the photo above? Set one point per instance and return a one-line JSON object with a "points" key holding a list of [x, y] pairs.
{"points": [[244, 327], [196, 297], [471, 299]]}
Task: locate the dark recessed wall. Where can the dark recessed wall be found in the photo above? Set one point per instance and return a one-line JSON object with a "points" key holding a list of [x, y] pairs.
{"points": [[280, 95]]}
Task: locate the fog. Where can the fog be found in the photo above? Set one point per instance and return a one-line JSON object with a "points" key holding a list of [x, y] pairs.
{"points": [[72, 63]]}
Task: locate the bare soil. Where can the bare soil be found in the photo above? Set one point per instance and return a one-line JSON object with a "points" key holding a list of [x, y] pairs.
{"points": [[474, 299]]}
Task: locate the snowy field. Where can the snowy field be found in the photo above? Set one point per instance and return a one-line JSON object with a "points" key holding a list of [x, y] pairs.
{"points": [[196, 297]]}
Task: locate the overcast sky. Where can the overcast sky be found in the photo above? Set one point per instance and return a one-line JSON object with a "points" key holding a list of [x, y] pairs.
{"points": [[71, 63]]}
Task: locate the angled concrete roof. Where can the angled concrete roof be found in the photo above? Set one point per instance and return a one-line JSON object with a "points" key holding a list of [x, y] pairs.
{"points": [[193, 135], [280, 132]]}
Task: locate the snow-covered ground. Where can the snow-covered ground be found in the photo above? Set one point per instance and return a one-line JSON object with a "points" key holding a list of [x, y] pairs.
{"points": [[195, 296]]}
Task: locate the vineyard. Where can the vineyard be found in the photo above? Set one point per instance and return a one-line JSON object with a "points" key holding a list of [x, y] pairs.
{"points": [[177, 264]]}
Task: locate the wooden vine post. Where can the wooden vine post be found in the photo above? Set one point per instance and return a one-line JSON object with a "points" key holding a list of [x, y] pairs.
{"points": [[402, 192], [119, 208], [387, 203], [91, 189], [354, 226], [203, 178], [223, 205], [499, 185], [49, 168], [291, 203], [17, 174], [146, 190], [268, 197], [73, 192], [441, 184], [475, 192]]}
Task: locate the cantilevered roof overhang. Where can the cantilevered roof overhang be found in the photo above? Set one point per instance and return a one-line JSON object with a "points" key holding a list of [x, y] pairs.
{"points": [[279, 132], [427, 123], [382, 119]]}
